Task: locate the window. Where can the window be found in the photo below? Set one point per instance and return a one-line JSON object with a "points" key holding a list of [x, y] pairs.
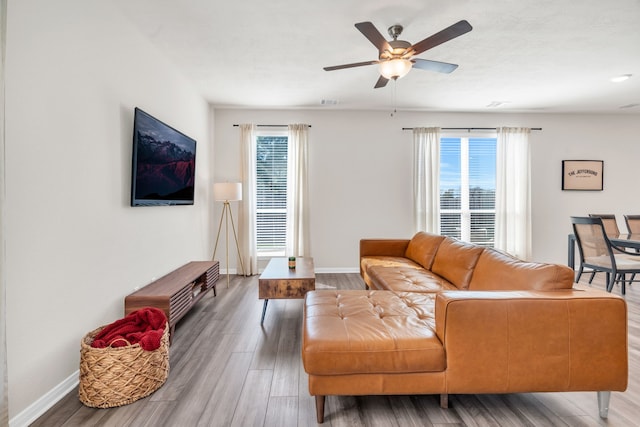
{"points": [[468, 189], [271, 194]]}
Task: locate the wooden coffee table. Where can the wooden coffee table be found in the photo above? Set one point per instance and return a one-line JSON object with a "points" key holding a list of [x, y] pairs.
{"points": [[278, 281]]}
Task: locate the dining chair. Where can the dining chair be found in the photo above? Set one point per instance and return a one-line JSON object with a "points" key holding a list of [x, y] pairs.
{"points": [[611, 228], [597, 253], [633, 223], [610, 223]]}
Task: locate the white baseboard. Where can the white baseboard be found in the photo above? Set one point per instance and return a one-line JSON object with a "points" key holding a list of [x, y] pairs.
{"points": [[337, 270], [233, 271], [42, 405]]}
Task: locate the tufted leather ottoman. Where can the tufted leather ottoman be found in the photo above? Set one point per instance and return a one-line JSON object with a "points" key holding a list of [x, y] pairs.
{"points": [[352, 332]]}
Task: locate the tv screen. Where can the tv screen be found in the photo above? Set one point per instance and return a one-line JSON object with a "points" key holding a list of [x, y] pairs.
{"points": [[164, 163]]}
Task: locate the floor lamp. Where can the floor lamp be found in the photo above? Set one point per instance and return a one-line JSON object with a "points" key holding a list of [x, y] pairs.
{"points": [[226, 192]]}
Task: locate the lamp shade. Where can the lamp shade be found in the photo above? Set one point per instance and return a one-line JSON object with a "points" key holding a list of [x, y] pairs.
{"points": [[395, 68], [226, 191]]}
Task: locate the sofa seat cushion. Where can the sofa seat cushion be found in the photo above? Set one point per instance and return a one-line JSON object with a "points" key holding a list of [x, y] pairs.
{"points": [[367, 262], [367, 332], [406, 279]]}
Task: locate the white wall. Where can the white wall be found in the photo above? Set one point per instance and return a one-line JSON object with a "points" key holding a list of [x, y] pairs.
{"points": [[75, 248], [361, 164]]}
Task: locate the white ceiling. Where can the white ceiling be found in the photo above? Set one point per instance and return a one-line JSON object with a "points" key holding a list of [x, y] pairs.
{"points": [[535, 56]]}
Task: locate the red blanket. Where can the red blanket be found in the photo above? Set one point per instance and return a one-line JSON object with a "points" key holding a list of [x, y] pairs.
{"points": [[144, 327]]}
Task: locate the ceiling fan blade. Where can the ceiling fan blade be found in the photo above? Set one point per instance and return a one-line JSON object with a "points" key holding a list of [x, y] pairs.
{"points": [[439, 67], [355, 64], [373, 35], [382, 82], [455, 30]]}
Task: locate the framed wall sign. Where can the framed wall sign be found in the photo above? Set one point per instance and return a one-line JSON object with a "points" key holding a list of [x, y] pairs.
{"points": [[583, 175]]}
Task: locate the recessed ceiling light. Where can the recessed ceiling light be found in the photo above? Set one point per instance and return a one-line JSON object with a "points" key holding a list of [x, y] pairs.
{"points": [[621, 78]]}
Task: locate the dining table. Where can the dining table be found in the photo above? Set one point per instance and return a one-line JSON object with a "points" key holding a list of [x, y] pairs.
{"points": [[622, 240]]}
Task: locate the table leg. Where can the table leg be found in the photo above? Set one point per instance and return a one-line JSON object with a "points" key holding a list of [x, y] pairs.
{"points": [[264, 310]]}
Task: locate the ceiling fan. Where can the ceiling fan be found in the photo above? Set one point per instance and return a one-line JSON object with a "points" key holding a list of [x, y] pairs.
{"points": [[397, 57]]}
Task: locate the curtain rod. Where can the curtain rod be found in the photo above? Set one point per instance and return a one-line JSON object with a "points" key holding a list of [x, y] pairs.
{"points": [[269, 126], [470, 129]]}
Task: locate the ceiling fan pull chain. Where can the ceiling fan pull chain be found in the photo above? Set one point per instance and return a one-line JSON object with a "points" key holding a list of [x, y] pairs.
{"points": [[395, 82]]}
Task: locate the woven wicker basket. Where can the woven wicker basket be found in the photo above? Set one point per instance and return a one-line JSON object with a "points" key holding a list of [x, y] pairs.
{"points": [[116, 376]]}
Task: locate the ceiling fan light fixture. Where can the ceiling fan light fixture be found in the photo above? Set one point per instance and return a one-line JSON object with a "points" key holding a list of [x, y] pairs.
{"points": [[395, 68]]}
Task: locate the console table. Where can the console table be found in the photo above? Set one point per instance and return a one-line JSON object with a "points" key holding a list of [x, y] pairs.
{"points": [[177, 292]]}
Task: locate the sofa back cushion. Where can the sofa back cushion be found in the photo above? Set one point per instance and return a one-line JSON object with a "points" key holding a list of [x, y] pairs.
{"points": [[455, 261], [497, 270], [422, 248]]}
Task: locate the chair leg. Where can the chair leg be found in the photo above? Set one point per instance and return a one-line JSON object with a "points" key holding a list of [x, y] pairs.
{"points": [[611, 280], [622, 279], [593, 274], [579, 273]]}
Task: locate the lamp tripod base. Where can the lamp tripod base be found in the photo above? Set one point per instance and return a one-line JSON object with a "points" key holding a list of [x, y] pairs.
{"points": [[226, 216]]}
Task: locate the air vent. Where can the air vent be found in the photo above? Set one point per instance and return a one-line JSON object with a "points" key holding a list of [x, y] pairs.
{"points": [[329, 102], [495, 104]]}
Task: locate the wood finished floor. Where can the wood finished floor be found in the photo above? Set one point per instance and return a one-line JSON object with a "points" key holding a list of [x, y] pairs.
{"points": [[227, 370]]}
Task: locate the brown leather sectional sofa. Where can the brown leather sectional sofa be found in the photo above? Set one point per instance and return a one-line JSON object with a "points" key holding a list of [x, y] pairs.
{"points": [[445, 317]]}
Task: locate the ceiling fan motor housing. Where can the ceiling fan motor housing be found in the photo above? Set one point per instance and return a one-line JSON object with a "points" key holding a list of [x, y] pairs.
{"points": [[399, 48]]}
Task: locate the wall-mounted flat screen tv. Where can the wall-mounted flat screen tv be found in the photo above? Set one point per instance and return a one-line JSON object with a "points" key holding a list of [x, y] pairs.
{"points": [[164, 163]]}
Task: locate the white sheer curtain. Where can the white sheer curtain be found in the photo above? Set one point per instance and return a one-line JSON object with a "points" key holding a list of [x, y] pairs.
{"points": [[513, 192], [298, 243], [426, 179], [247, 216], [4, 391]]}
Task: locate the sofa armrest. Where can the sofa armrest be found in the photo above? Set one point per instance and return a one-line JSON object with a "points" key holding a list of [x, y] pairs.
{"points": [[524, 341], [383, 247]]}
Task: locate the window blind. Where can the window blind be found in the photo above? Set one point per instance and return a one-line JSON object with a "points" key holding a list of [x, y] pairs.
{"points": [[450, 187], [271, 193], [467, 189]]}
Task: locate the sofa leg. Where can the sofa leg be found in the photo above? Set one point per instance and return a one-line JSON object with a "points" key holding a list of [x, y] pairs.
{"points": [[603, 403], [320, 409], [444, 400]]}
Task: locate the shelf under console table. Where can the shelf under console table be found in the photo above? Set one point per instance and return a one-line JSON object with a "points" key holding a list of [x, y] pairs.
{"points": [[177, 292]]}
